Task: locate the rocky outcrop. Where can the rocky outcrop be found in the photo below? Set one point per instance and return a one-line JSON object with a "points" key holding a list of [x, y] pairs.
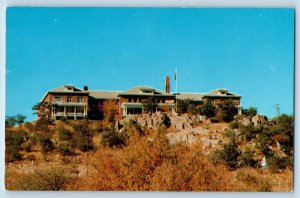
{"points": [[153, 120], [259, 120]]}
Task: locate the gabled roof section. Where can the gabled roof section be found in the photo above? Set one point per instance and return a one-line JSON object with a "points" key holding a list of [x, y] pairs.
{"points": [[191, 96], [67, 89], [144, 91], [104, 94], [222, 92]]}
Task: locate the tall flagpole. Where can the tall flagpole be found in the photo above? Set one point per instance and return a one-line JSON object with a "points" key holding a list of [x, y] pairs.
{"points": [[176, 89]]}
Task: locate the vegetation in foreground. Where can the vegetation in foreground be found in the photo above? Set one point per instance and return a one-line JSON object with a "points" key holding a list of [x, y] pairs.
{"points": [[93, 155]]}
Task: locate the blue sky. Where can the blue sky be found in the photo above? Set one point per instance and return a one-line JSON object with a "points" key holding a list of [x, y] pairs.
{"points": [[248, 51]]}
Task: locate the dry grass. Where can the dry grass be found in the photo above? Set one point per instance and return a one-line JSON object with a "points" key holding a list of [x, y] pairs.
{"points": [[147, 163]]}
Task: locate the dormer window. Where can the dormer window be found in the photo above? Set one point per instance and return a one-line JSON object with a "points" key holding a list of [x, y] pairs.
{"points": [[69, 99], [69, 87]]}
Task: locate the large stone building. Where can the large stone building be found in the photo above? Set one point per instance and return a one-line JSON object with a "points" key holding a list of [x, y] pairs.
{"points": [[73, 103]]}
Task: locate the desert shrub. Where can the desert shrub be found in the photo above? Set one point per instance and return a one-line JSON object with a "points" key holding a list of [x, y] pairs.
{"points": [[184, 105], [276, 163], [285, 128], [99, 127], [228, 155], [192, 109], [31, 157], [46, 144], [27, 146], [113, 138], [13, 141], [228, 110], [218, 118], [247, 158], [248, 131], [208, 109], [64, 134], [29, 126], [230, 134], [263, 141], [234, 124], [65, 149], [45, 179], [253, 183], [83, 138]]}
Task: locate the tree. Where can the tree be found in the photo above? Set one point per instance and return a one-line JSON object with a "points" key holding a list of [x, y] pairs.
{"points": [[20, 119], [112, 138], [11, 121], [109, 110], [228, 110], [44, 111], [208, 109], [230, 154], [251, 111], [84, 135], [186, 106], [150, 105]]}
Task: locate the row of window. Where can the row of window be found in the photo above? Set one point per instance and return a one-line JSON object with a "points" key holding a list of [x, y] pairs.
{"points": [[136, 100], [69, 99], [68, 110]]}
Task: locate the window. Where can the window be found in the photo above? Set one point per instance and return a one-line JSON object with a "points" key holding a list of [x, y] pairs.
{"points": [[70, 109], [69, 99], [80, 99], [80, 110], [57, 98]]}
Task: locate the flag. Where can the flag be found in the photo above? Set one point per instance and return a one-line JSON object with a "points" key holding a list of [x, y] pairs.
{"points": [[175, 73]]}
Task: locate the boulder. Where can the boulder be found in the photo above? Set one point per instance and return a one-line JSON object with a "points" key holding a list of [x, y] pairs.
{"points": [[245, 121]]}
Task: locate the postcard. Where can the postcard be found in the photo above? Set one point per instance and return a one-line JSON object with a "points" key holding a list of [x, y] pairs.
{"points": [[149, 99]]}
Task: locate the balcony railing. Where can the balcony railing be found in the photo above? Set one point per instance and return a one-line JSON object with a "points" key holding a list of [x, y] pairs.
{"points": [[68, 114], [69, 103]]}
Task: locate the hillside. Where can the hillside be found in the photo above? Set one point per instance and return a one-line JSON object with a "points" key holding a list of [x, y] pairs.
{"points": [[165, 152]]}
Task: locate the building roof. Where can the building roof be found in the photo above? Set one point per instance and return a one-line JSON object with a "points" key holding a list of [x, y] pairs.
{"points": [[221, 92], [104, 94], [144, 91], [191, 96], [67, 89]]}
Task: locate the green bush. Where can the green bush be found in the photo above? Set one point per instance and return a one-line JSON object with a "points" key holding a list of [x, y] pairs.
{"points": [[66, 149], [247, 158], [112, 138], [251, 111], [228, 110], [230, 134], [228, 155], [248, 131], [208, 109], [64, 134], [275, 163], [46, 144], [234, 124], [13, 141], [83, 138]]}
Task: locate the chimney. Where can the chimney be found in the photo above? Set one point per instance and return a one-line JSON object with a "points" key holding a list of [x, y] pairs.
{"points": [[85, 88], [168, 84]]}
